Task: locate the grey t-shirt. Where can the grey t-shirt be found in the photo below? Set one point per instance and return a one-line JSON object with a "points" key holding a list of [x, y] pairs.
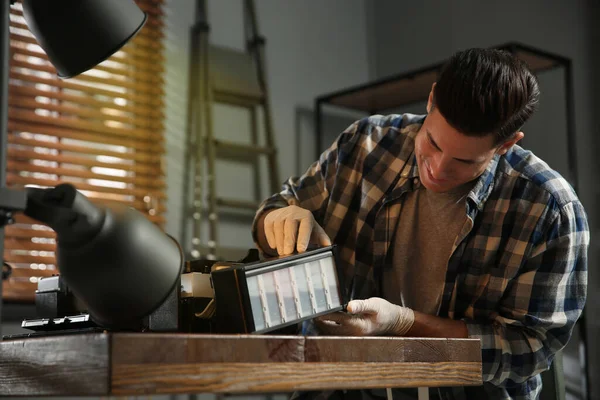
{"points": [[428, 226]]}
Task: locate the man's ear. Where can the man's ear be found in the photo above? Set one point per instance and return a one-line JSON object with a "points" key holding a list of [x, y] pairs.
{"points": [[504, 147], [430, 99]]}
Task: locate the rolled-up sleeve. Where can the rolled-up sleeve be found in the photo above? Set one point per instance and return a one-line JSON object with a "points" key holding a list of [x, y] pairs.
{"points": [[521, 342]]}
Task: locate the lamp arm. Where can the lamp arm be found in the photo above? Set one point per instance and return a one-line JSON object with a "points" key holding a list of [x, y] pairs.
{"points": [[11, 201]]}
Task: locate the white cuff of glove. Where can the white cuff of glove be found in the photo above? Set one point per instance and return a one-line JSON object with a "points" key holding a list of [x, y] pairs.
{"points": [[406, 319]]}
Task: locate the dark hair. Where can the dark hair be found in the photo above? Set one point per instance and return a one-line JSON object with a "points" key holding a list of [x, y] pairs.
{"points": [[486, 91]]}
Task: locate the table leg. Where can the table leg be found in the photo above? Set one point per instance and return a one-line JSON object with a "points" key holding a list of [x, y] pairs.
{"points": [[423, 393]]}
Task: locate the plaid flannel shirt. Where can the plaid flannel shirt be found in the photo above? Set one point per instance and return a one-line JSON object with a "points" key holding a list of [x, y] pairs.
{"points": [[517, 275]]}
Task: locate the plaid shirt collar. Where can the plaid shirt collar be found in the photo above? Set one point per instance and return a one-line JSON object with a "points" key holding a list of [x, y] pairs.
{"points": [[482, 189]]}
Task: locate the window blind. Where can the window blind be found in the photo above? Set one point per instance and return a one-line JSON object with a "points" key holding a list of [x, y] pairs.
{"points": [[102, 131]]}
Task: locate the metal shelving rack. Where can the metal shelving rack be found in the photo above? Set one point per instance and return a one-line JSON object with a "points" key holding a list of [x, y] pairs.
{"points": [[391, 93]]}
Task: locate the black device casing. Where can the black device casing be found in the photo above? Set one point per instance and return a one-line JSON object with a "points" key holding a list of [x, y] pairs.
{"points": [[234, 312]]}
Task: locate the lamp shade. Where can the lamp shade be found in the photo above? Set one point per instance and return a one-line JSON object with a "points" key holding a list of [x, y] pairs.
{"points": [[79, 34]]}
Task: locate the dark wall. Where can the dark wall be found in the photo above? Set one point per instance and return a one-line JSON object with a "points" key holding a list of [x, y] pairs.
{"points": [[593, 199]]}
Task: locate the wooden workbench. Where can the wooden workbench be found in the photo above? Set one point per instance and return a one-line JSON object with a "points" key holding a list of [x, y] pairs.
{"points": [[147, 363]]}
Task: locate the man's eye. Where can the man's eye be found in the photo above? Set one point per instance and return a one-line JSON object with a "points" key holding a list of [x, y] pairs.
{"points": [[431, 143]]}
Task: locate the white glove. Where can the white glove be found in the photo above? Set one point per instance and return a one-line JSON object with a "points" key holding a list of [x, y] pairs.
{"points": [[374, 316], [293, 228]]}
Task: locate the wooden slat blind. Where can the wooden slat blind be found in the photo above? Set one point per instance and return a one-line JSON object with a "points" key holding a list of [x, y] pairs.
{"points": [[101, 131]]}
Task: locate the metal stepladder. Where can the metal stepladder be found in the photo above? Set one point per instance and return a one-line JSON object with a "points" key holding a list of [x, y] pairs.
{"points": [[220, 75]]}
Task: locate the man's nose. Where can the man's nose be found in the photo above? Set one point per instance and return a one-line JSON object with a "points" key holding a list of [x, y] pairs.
{"points": [[439, 167]]}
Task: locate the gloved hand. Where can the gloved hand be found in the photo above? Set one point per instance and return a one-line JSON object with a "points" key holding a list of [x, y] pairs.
{"points": [[374, 316], [293, 228]]}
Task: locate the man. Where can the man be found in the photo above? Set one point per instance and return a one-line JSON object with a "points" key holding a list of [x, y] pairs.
{"points": [[446, 226]]}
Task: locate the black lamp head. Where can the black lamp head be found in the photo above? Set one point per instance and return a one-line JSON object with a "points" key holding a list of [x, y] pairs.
{"points": [[79, 34], [116, 261]]}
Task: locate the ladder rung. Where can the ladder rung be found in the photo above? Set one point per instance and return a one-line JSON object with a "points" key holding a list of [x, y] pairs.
{"points": [[239, 147], [247, 205], [225, 214], [235, 99], [222, 252]]}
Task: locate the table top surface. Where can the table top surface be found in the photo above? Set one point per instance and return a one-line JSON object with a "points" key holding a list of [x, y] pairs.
{"points": [[153, 363]]}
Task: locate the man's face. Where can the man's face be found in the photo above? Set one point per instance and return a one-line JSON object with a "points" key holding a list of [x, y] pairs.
{"points": [[447, 159]]}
